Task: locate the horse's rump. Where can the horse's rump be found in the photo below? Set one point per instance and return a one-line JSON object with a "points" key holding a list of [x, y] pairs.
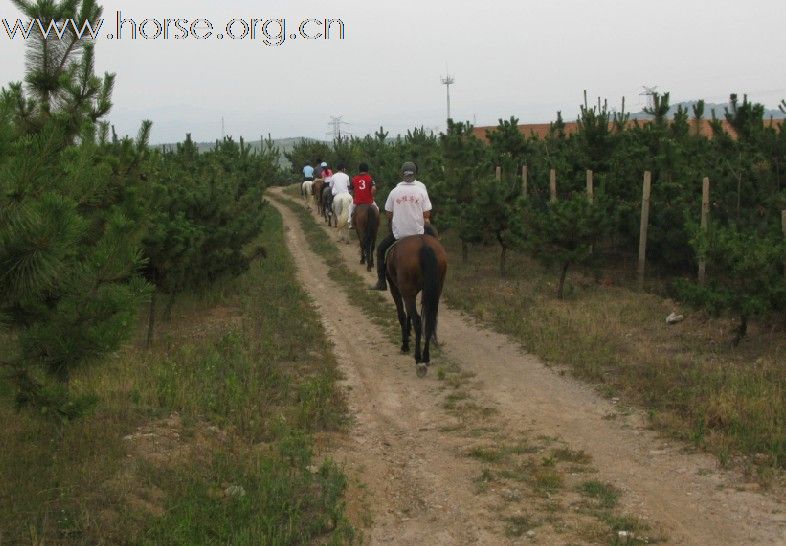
{"points": [[417, 264], [341, 203], [316, 191], [403, 260]]}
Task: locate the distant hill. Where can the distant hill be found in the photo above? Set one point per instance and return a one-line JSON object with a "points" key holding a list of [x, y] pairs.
{"points": [[708, 108], [283, 144]]}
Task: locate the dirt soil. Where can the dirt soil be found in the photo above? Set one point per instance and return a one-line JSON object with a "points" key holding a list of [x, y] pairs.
{"points": [[421, 488]]}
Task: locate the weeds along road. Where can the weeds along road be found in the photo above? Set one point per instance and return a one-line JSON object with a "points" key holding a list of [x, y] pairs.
{"points": [[506, 450]]}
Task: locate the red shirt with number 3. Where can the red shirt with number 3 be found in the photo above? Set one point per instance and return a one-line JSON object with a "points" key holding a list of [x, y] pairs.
{"points": [[361, 188]]}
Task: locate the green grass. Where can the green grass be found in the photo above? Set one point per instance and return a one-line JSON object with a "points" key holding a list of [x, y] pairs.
{"points": [[279, 504], [566, 454], [605, 494], [230, 395], [487, 454], [688, 377]]}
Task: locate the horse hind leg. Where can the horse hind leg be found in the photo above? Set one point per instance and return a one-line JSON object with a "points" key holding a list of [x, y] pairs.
{"points": [[433, 336], [403, 320], [427, 342], [368, 251], [412, 314]]}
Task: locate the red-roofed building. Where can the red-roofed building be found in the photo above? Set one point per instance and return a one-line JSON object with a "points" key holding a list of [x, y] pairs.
{"points": [[541, 130]]}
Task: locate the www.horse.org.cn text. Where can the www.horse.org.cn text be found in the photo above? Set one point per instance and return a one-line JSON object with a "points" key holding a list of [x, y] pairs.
{"points": [[272, 32]]}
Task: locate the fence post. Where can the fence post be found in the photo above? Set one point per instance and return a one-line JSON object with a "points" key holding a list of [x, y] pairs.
{"points": [[705, 221], [590, 187], [645, 218], [524, 181], [590, 198], [498, 173], [553, 185], [783, 225]]}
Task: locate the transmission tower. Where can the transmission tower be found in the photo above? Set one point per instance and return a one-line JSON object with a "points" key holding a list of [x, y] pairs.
{"points": [[447, 81], [335, 124], [650, 92]]}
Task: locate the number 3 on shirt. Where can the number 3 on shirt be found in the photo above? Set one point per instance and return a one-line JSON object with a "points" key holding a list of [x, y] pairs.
{"points": [[362, 185]]}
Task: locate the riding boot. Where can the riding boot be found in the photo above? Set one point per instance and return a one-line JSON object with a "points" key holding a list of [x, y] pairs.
{"points": [[382, 249], [382, 283]]}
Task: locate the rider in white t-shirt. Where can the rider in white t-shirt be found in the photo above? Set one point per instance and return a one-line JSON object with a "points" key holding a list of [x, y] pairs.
{"points": [[408, 210], [407, 206], [340, 181]]}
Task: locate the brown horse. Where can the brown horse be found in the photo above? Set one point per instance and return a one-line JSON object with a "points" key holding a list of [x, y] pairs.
{"points": [[327, 205], [414, 264], [316, 191], [366, 219]]}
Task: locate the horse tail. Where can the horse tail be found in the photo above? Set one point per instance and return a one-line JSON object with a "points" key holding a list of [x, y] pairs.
{"points": [[371, 222], [430, 272]]}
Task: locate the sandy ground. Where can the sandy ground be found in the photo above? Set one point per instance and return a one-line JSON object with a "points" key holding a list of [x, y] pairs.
{"points": [[418, 481]]}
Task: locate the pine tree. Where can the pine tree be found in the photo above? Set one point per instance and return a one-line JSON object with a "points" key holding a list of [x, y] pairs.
{"points": [[563, 233], [508, 146], [306, 152], [70, 247], [465, 162], [495, 213], [206, 210], [744, 273]]}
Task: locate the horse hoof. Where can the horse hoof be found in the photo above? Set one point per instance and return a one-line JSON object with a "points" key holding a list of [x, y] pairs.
{"points": [[421, 369]]}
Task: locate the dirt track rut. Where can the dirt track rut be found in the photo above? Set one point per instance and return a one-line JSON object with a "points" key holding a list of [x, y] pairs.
{"points": [[420, 485]]}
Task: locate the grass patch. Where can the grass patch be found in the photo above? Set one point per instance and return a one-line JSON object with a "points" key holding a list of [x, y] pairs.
{"points": [[605, 494], [487, 454], [516, 526], [203, 439], [689, 378], [547, 480], [565, 454], [452, 399], [483, 481], [270, 501]]}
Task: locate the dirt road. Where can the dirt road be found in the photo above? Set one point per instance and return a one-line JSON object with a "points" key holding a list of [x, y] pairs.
{"points": [[411, 450]]}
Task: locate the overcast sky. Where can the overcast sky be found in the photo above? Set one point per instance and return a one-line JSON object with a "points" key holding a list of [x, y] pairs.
{"points": [[508, 57]]}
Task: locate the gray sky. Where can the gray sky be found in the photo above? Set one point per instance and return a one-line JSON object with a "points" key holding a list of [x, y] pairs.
{"points": [[522, 58]]}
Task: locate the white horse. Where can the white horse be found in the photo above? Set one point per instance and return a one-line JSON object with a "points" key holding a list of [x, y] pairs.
{"points": [[341, 204], [305, 190]]}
